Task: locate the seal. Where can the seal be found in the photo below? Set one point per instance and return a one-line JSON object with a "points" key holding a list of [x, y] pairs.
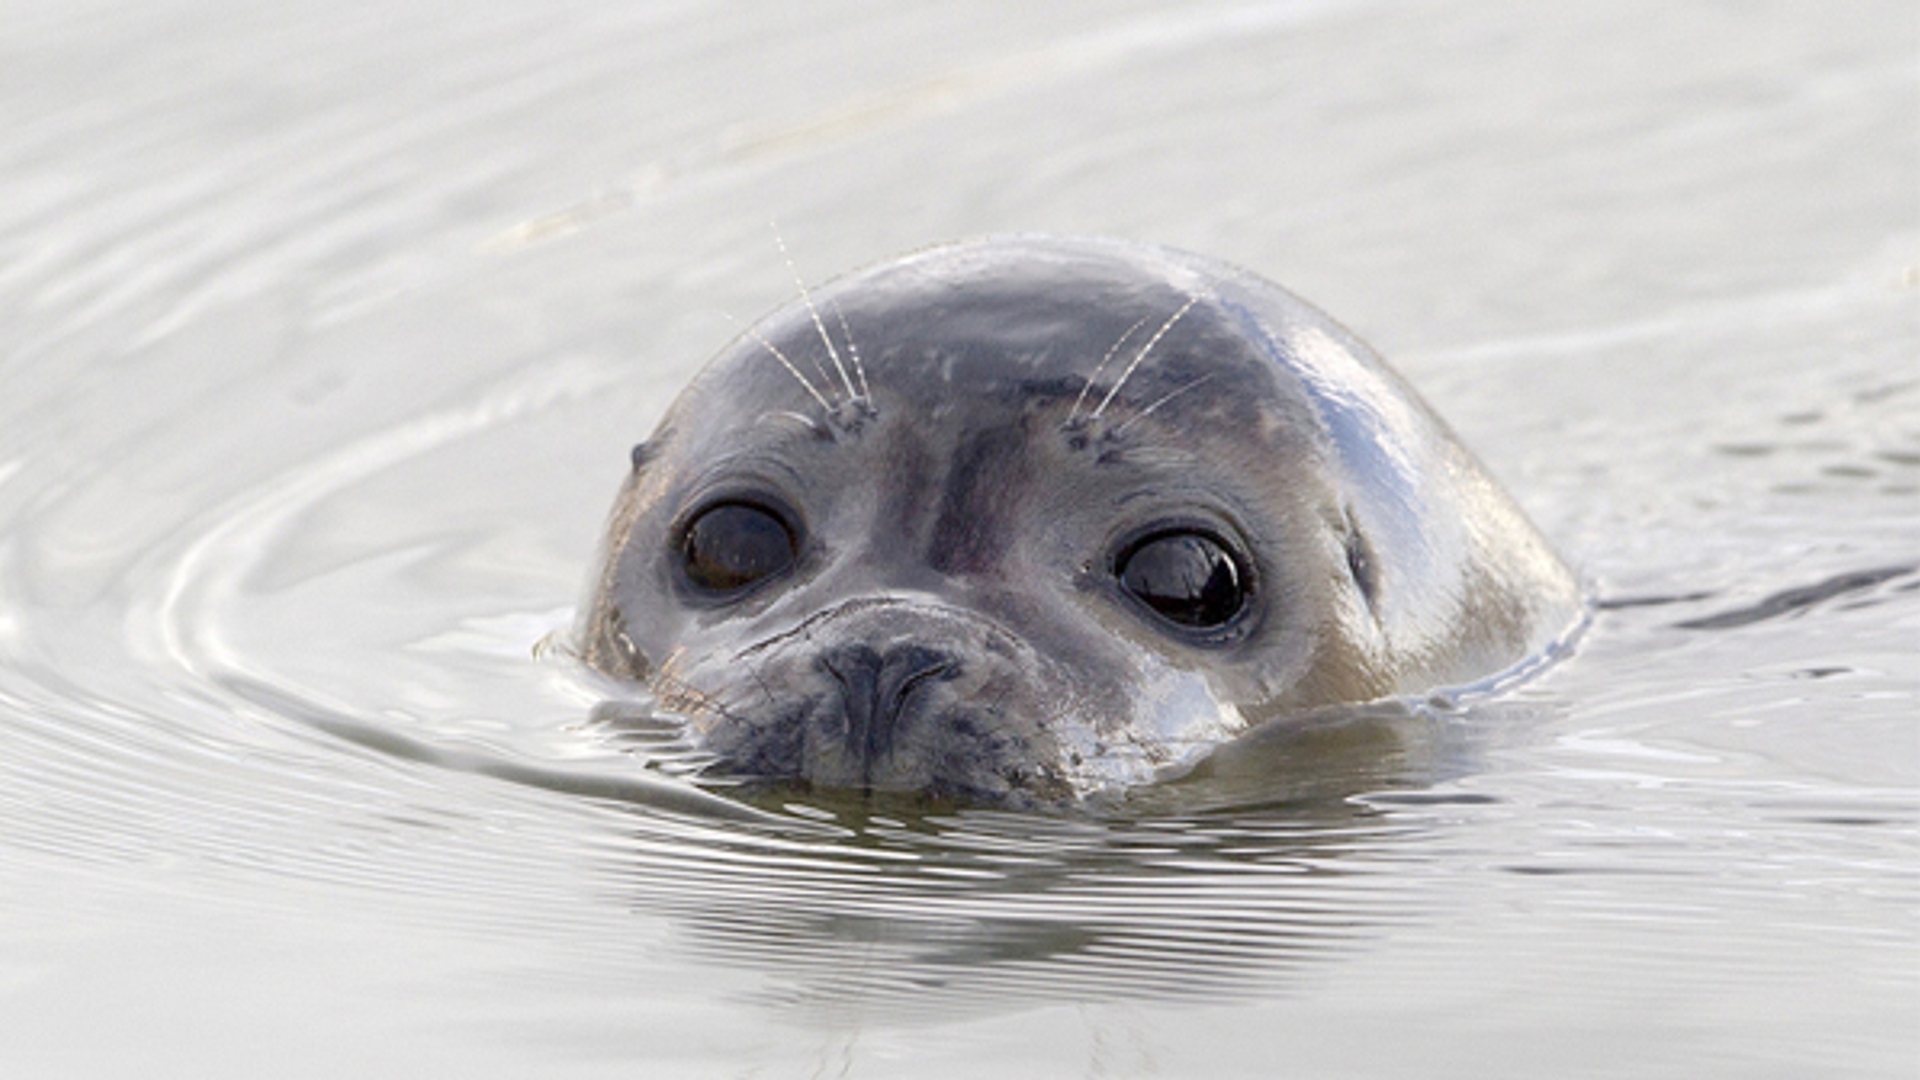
{"points": [[1025, 518]]}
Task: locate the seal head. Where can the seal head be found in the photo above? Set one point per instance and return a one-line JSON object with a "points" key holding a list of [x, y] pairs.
{"points": [[1023, 518]]}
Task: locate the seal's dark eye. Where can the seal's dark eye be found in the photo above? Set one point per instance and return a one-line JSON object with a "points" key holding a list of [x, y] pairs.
{"points": [[1188, 577], [730, 545]]}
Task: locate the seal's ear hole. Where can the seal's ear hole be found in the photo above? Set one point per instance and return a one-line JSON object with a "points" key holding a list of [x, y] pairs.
{"points": [[1361, 564], [729, 546], [1186, 577], [642, 453]]}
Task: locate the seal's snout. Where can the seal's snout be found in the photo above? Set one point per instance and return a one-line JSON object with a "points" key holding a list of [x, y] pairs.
{"points": [[876, 689], [887, 694]]}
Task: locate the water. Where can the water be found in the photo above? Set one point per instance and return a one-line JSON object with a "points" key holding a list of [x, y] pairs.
{"points": [[326, 330]]}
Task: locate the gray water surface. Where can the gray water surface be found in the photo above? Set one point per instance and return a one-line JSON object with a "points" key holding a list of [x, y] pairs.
{"points": [[325, 329]]}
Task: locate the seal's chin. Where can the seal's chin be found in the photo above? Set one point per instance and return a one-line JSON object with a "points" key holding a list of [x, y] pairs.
{"points": [[889, 695]]}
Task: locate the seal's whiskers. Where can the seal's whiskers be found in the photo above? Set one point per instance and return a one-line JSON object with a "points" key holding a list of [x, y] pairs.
{"points": [[853, 351], [805, 382], [1094, 376], [1141, 356], [1164, 398], [813, 311]]}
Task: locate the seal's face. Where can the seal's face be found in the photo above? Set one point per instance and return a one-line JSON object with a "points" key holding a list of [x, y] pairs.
{"points": [[1010, 521]]}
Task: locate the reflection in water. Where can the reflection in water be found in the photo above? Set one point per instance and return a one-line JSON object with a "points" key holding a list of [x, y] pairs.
{"points": [[1215, 886], [1210, 886], [980, 911]]}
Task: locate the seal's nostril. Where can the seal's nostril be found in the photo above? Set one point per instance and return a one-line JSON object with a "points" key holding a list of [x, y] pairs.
{"points": [[875, 688], [852, 665]]}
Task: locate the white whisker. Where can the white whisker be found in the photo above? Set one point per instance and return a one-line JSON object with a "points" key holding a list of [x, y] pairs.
{"points": [[1140, 356], [806, 383], [1094, 376], [815, 313], [1169, 396], [853, 351]]}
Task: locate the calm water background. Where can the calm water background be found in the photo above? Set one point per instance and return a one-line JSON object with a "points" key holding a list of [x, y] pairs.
{"points": [[324, 330]]}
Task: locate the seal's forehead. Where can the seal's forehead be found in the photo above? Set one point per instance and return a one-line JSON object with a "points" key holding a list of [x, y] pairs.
{"points": [[1014, 317], [1024, 306]]}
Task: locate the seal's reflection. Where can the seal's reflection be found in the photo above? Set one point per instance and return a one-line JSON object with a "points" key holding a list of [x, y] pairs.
{"points": [[1268, 856], [1298, 842]]}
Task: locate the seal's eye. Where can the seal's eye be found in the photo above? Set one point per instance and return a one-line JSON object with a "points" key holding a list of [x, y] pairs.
{"points": [[730, 545], [1189, 578]]}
